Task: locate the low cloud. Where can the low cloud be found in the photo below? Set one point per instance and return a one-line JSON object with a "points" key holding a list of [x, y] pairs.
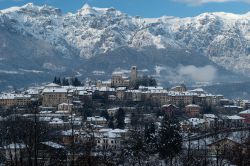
{"points": [[201, 2], [199, 74]]}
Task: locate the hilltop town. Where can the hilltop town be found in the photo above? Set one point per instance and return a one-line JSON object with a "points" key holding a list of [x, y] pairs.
{"points": [[104, 122]]}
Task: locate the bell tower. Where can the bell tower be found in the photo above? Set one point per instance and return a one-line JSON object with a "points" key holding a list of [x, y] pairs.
{"points": [[133, 73]]}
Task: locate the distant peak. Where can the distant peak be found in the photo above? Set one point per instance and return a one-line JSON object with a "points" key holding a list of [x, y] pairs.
{"points": [[86, 9], [86, 6], [28, 5]]}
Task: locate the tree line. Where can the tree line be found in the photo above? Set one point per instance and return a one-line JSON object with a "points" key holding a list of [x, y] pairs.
{"points": [[67, 81]]}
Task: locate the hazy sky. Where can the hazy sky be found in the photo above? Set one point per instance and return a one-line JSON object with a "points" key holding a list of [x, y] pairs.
{"points": [[146, 8]]}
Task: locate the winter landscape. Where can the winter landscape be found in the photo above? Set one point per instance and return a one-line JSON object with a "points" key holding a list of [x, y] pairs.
{"points": [[100, 86]]}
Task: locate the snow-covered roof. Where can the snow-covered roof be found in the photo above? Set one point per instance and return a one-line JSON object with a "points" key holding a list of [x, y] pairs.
{"points": [[32, 91], [52, 85], [106, 82], [111, 133], [96, 118], [13, 96], [45, 112], [55, 90], [196, 121], [175, 93], [56, 121], [232, 106], [67, 104], [106, 89], [167, 105], [235, 117], [198, 90], [121, 88], [212, 116], [15, 146], [53, 145], [245, 112], [193, 105], [114, 109]]}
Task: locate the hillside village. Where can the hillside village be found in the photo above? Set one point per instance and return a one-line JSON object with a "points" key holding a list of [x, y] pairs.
{"points": [[94, 123]]}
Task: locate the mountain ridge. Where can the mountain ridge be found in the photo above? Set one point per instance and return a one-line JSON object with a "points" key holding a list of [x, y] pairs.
{"points": [[92, 34], [223, 37]]}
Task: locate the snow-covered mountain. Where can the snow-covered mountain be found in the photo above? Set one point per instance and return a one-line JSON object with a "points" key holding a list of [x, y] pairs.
{"points": [[41, 39], [223, 37]]}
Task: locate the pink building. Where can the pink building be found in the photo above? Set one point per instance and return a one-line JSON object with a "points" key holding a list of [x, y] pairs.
{"points": [[245, 114]]}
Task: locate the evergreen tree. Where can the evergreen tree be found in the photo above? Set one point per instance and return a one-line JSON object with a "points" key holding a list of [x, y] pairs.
{"points": [[136, 148], [142, 81], [150, 138], [170, 141], [75, 82], [65, 82], [55, 80], [58, 81], [87, 112], [105, 114], [120, 119], [111, 123], [134, 119]]}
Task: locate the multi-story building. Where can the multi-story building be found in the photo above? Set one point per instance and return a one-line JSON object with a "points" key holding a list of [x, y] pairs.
{"points": [[97, 120], [53, 95], [192, 110], [110, 139], [65, 108], [118, 80], [17, 100], [178, 98], [245, 114], [179, 88]]}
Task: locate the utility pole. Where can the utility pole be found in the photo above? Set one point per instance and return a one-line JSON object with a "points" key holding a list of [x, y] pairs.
{"points": [[35, 147]]}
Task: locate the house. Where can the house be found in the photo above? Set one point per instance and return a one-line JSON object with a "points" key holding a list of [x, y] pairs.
{"points": [[111, 97], [118, 80], [233, 121], [169, 109], [112, 111], [110, 139], [57, 123], [13, 99], [232, 109], [133, 95], [65, 108], [180, 88], [245, 104], [193, 110], [246, 115], [181, 98], [197, 123], [120, 93], [15, 152], [97, 120], [211, 120], [53, 95], [221, 146], [51, 153]]}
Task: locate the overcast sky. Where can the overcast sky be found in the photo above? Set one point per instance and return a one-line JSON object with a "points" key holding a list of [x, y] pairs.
{"points": [[146, 8]]}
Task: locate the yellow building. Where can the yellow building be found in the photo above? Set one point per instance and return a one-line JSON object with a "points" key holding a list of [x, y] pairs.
{"points": [[17, 100], [53, 95], [118, 80]]}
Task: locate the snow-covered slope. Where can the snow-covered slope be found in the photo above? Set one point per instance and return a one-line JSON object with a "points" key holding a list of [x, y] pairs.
{"points": [[223, 37]]}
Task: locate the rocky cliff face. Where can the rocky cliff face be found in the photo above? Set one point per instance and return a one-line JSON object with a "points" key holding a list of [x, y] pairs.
{"points": [[47, 40]]}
